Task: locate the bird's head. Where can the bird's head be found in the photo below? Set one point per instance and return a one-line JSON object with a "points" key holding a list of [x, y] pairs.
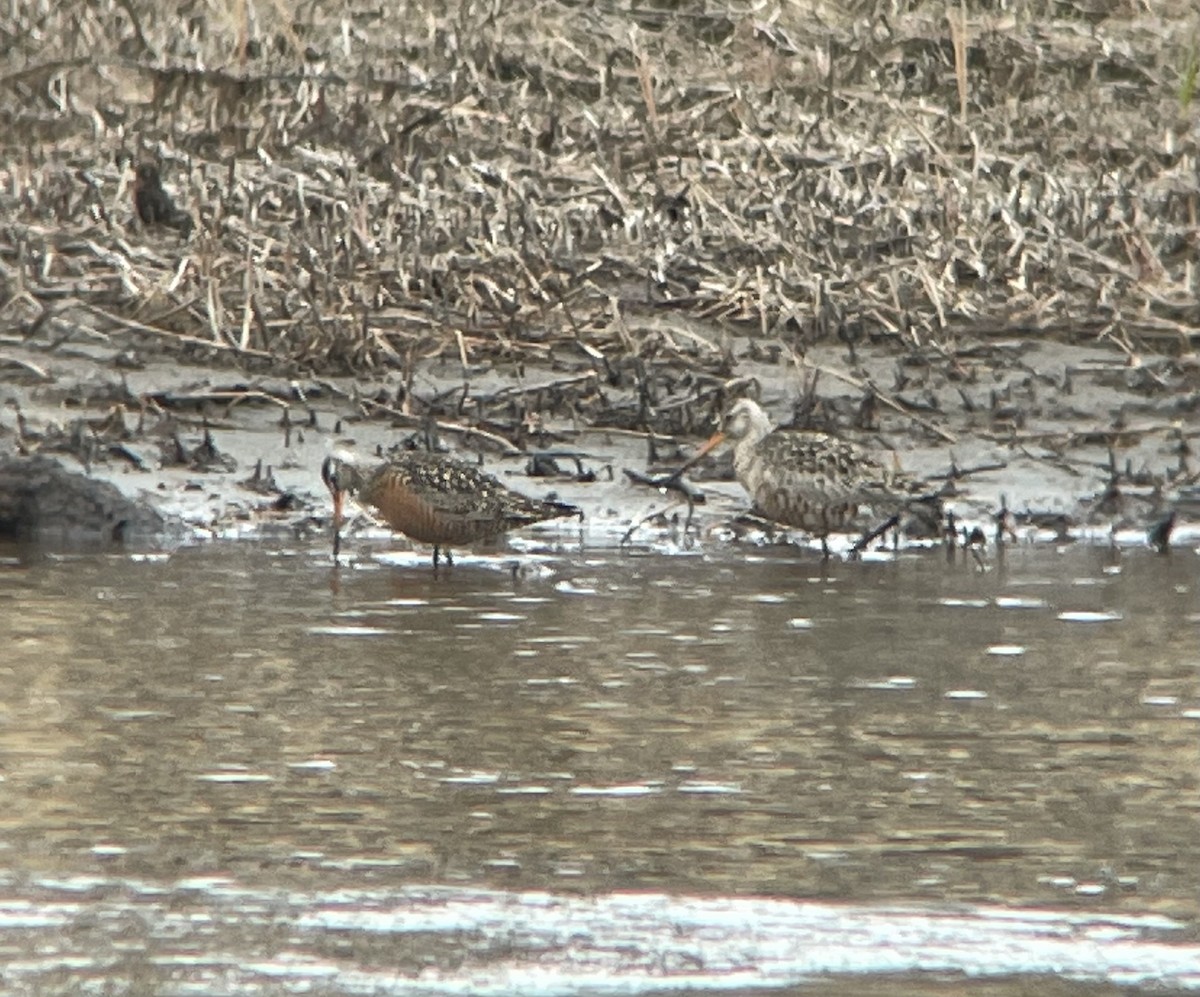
{"points": [[340, 477], [744, 420]]}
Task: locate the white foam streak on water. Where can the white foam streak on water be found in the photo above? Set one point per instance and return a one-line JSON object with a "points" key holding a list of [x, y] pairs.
{"points": [[637, 942], [540, 944]]}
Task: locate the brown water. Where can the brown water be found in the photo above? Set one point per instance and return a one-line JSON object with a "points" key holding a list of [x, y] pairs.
{"points": [[235, 770]]}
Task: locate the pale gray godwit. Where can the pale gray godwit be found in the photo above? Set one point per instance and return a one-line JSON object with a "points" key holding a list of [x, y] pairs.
{"points": [[806, 479], [435, 499]]}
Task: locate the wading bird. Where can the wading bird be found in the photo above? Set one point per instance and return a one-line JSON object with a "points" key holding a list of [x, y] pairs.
{"points": [[435, 500], [806, 479]]}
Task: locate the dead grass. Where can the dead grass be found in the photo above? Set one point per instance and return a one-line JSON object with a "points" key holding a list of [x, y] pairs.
{"points": [[533, 180]]}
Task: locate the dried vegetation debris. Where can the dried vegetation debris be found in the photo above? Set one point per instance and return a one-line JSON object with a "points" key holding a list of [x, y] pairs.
{"points": [[603, 190]]}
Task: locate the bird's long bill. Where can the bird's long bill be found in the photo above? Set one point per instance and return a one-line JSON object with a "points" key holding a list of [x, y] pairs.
{"points": [[338, 496], [714, 441]]}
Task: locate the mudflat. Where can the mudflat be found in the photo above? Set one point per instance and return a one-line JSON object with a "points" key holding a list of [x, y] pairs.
{"points": [[580, 233]]}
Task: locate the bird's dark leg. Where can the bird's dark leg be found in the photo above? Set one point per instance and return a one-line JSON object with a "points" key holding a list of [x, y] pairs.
{"points": [[825, 554], [1160, 535], [436, 552], [449, 558]]}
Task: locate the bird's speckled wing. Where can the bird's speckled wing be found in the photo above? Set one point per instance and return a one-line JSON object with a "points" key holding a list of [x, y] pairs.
{"points": [[817, 465], [815, 481], [439, 500], [447, 485]]}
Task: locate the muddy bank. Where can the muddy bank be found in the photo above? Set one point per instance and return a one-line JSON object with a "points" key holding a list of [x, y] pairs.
{"points": [[227, 244], [1072, 440]]}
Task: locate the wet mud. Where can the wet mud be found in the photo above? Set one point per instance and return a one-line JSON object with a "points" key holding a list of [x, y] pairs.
{"points": [[1069, 441]]}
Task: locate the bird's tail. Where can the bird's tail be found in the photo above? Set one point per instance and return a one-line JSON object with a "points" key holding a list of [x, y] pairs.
{"points": [[910, 500], [526, 511]]}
